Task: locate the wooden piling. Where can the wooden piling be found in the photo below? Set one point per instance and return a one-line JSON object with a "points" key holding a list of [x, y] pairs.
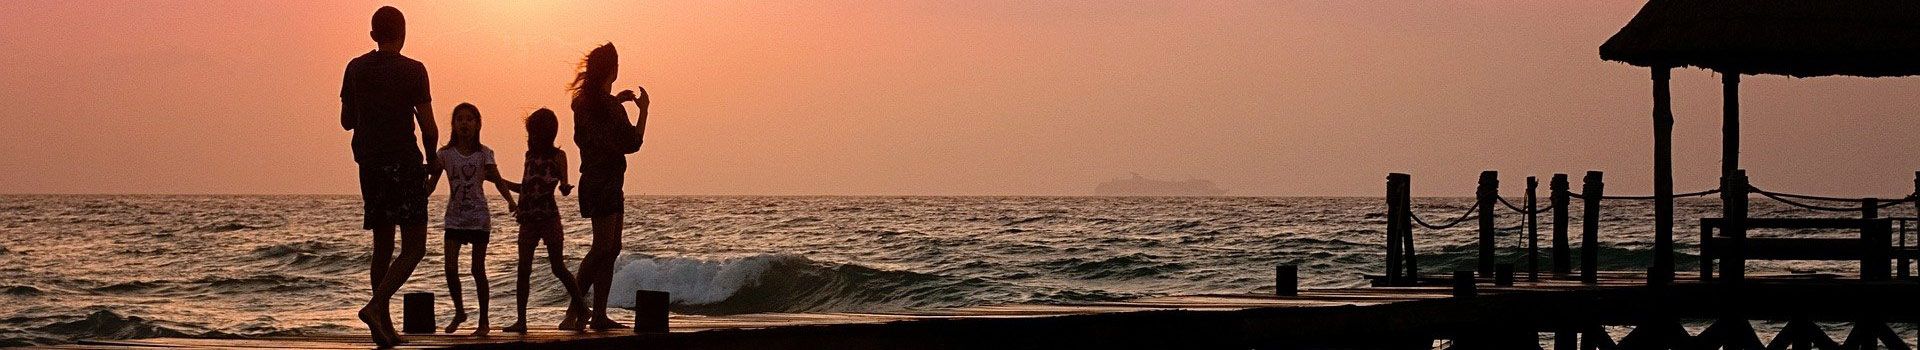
{"points": [[416, 315], [1286, 280], [1592, 188], [1408, 259], [1533, 229], [1392, 277], [1733, 198], [649, 311], [1562, 259], [1463, 284], [1662, 271], [1489, 195], [1874, 236]]}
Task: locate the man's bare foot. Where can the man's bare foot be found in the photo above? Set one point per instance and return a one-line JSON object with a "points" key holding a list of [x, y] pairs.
{"points": [[380, 336], [517, 327], [458, 318], [602, 323], [482, 329]]}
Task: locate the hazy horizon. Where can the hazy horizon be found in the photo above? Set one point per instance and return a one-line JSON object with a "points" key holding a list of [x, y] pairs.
{"points": [[1298, 98]]}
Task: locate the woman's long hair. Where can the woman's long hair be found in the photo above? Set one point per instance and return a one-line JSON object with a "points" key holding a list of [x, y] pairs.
{"points": [[595, 71], [472, 139], [542, 125]]}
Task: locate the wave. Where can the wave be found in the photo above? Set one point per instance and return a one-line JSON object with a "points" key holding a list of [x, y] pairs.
{"points": [[783, 283], [104, 324]]}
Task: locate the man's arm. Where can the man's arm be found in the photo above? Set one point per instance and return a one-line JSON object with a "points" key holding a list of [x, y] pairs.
{"points": [[347, 117], [429, 134]]}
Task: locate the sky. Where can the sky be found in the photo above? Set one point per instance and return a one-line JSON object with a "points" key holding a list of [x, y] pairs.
{"points": [[990, 97]]}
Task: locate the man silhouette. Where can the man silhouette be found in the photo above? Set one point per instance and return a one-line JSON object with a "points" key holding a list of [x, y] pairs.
{"points": [[381, 98]]}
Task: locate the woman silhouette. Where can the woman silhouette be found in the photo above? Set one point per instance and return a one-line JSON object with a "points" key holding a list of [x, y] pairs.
{"points": [[601, 131]]}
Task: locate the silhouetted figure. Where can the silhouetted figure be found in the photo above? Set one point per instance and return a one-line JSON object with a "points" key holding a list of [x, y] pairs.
{"points": [[601, 130], [381, 98], [468, 163], [539, 215]]}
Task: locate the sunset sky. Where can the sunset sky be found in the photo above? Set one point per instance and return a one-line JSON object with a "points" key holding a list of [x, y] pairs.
{"points": [[928, 97]]}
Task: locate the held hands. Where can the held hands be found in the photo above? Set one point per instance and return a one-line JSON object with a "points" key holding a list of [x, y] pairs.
{"points": [[566, 189]]}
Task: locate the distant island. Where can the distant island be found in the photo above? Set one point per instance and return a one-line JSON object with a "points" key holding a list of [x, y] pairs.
{"points": [[1141, 186]]}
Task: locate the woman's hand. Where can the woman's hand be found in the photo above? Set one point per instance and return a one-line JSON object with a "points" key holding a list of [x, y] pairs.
{"points": [[643, 100], [624, 96]]}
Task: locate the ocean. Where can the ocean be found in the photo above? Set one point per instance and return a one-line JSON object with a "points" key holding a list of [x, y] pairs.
{"points": [[117, 266]]}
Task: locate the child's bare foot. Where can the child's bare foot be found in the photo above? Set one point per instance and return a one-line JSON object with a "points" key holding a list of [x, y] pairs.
{"points": [[458, 318], [517, 327], [380, 336], [601, 324], [482, 329]]}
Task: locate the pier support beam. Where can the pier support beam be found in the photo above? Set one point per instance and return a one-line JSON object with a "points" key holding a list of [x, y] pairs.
{"points": [[1591, 191], [1562, 258], [1874, 262], [1489, 196], [1662, 272], [1397, 227]]}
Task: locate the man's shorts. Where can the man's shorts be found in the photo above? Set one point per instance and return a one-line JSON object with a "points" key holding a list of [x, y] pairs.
{"points": [[396, 195]]}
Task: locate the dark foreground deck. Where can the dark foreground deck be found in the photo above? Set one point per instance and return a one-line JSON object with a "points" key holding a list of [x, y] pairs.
{"points": [[1358, 318]]}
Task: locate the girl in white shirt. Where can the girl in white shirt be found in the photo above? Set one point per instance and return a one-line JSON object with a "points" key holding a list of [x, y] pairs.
{"points": [[467, 163]]}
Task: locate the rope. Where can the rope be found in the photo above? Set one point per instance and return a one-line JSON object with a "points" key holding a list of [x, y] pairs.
{"points": [[1517, 209], [1791, 202], [1783, 198], [1456, 221], [1676, 195]]}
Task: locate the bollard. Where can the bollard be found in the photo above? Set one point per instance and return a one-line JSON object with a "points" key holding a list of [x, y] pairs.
{"points": [[1503, 275], [417, 313], [649, 311], [1462, 284], [1286, 280]]}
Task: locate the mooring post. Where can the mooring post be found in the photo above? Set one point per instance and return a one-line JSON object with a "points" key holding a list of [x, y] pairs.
{"points": [[1873, 235], [1733, 196], [1591, 189], [1392, 277], [417, 313], [1503, 275], [1562, 262], [649, 311], [1489, 194], [1463, 284], [1533, 229], [1286, 280], [1409, 260]]}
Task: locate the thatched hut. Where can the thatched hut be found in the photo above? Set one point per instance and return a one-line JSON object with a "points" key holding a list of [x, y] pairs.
{"points": [[1798, 38]]}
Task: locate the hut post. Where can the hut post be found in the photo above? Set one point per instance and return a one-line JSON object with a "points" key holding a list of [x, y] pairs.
{"points": [[1729, 123], [1533, 229], [1392, 277], [1873, 262], [1592, 189], [1489, 193], [1562, 261], [1733, 196], [1662, 271]]}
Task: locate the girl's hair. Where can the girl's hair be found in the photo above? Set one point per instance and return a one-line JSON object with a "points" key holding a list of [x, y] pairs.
{"points": [[595, 71], [457, 138], [541, 127]]}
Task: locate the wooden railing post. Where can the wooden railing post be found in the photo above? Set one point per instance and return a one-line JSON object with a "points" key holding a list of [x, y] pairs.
{"points": [[1489, 196], [1873, 262], [1533, 229], [1562, 261], [1396, 220], [1733, 225], [1591, 189], [1408, 260]]}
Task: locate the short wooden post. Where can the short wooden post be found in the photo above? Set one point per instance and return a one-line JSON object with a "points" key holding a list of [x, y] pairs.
{"points": [[1409, 260], [1463, 284], [1394, 216], [1286, 280], [649, 311], [1591, 190], [1733, 225], [1489, 195], [1533, 229], [417, 313], [1503, 275], [1873, 235], [1562, 253]]}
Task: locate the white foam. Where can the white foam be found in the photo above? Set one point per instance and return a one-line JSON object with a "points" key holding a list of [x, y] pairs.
{"points": [[688, 281]]}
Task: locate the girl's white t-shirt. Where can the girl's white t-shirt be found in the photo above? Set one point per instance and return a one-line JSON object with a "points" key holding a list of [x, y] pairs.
{"points": [[466, 199]]}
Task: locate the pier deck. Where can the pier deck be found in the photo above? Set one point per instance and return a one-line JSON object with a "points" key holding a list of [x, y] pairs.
{"points": [[1371, 317]]}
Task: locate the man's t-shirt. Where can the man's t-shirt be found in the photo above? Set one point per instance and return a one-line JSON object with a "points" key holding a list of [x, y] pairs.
{"points": [[381, 88]]}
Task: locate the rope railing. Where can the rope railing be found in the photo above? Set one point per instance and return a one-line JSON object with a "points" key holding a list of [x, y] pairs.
{"points": [[1676, 195], [1795, 200], [1517, 209], [1456, 221]]}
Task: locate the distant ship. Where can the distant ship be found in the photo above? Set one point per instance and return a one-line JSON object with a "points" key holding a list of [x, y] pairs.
{"points": [[1141, 186]]}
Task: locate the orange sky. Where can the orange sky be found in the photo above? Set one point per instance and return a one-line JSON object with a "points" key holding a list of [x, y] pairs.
{"points": [[927, 97]]}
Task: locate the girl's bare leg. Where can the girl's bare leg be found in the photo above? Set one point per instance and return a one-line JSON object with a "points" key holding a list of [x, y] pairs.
{"points": [[452, 255], [557, 259], [480, 287], [524, 273]]}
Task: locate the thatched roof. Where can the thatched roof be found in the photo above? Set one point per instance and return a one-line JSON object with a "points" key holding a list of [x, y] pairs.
{"points": [[1802, 38]]}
